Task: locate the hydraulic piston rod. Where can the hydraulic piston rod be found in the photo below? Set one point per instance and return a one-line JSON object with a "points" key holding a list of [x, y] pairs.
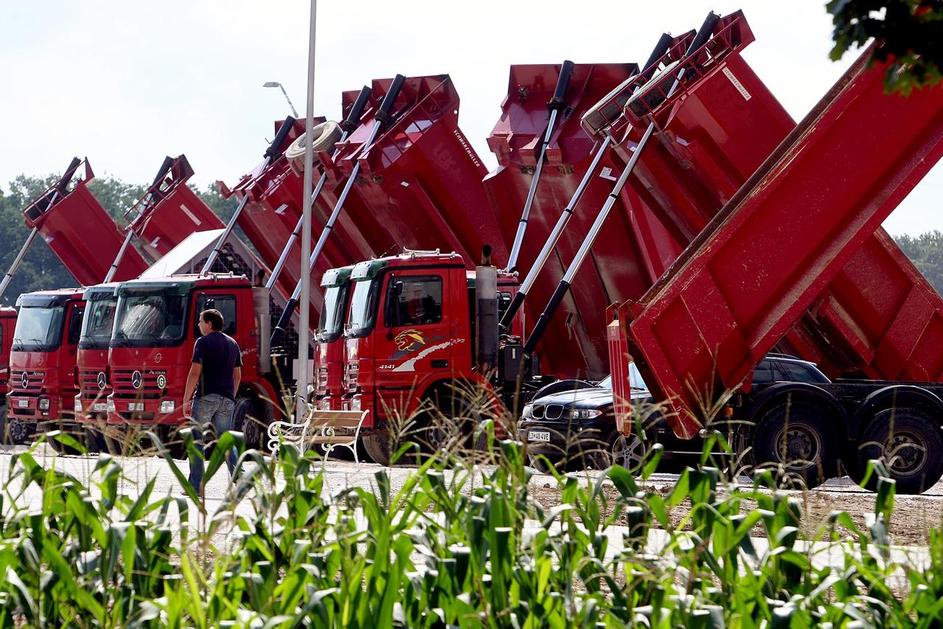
{"points": [[555, 105], [382, 117], [528, 283], [349, 124], [270, 155], [563, 287]]}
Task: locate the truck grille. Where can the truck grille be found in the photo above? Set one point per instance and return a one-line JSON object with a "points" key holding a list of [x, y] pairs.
{"points": [[88, 380], [34, 382], [351, 376], [123, 381]]}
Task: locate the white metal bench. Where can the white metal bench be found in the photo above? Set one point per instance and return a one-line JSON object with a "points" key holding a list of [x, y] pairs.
{"points": [[328, 429]]}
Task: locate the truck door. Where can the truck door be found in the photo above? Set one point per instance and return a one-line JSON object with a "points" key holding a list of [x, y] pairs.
{"points": [[225, 301], [414, 342]]}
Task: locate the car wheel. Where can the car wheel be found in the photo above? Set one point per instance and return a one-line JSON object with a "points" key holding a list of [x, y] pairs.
{"points": [[909, 443], [626, 450]]}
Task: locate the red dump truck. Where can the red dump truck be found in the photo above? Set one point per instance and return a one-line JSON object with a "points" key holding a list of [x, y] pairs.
{"points": [[166, 214], [43, 358], [773, 254]]}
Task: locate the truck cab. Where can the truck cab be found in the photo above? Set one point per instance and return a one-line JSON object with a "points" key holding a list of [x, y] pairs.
{"points": [[151, 348], [92, 360], [42, 384], [329, 383], [411, 341]]}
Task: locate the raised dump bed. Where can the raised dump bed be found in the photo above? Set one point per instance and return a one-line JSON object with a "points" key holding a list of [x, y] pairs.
{"points": [[784, 238], [79, 230], [421, 179], [169, 210], [725, 125]]}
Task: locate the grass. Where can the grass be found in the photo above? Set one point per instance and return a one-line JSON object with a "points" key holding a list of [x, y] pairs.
{"points": [[456, 545]]}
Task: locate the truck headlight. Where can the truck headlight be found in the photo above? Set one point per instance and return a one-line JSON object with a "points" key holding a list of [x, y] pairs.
{"points": [[355, 404], [44, 404], [583, 413], [78, 406], [167, 406]]}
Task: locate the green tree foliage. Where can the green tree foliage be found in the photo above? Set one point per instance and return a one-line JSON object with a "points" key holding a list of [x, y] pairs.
{"points": [[926, 251], [910, 31], [41, 269]]}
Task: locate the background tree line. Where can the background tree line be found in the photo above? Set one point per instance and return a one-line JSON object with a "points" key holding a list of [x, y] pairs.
{"points": [[41, 269]]}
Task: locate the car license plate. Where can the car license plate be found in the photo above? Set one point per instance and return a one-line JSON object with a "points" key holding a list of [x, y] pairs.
{"points": [[538, 435], [22, 403], [99, 406]]}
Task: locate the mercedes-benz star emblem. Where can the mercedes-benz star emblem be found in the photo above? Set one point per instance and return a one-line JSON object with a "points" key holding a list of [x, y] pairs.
{"points": [[137, 379], [102, 380], [24, 379]]}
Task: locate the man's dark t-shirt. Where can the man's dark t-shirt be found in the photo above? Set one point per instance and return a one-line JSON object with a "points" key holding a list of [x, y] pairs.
{"points": [[219, 354]]}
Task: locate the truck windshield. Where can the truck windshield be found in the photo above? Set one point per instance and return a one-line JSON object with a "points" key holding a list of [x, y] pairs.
{"points": [[98, 323], [363, 307], [149, 320], [38, 329], [332, 315]]}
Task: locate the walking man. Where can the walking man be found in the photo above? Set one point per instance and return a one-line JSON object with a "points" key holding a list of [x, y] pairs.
{"points": [[214, 378]]}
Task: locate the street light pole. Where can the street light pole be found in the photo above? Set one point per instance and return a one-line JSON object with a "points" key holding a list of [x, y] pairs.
{"points": [[303, 330], [294, 112]]}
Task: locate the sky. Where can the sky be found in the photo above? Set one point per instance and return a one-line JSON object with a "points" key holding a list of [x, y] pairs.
{"points": [[126, 83]]}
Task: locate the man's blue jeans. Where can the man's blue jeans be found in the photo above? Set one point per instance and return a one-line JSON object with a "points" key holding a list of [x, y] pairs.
{"points": [[212, 416]]}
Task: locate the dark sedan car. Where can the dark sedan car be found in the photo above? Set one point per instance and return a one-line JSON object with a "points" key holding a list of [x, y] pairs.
{"points": [[571, 422]]}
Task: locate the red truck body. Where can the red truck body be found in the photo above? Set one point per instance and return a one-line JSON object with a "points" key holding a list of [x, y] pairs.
{"points": [[7, 323], [778, 245], [42, 359], [87, 241], [162, 218], [832, 333], [152, 347]]}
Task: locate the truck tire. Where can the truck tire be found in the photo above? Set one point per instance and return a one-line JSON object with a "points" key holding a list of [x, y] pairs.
{"points": [[909, 442], [325, 137], [377, 445], [248, 418], [795, 439], [21, 432]]}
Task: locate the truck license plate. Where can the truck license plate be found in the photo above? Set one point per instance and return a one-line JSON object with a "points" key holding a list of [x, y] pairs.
{"points": [[100, 406], [22, 403], [538, 435], [135, 406]]}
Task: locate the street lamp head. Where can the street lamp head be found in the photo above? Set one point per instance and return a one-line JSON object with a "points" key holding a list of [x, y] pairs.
{"points": [[271, 84]]}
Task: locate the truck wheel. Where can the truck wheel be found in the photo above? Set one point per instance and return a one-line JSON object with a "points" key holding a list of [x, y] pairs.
{"points": [[21, 432], [909, 442], [248, 418], [377, 445], [795, 438]]}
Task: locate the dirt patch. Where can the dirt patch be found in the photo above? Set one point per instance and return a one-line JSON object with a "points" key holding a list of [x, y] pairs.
{"points": [[912, 519]]}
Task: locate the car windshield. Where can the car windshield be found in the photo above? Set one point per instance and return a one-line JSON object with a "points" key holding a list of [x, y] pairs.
{"points": [[332, 315], [98, 323], [38, 329], [363, 308], [149, 320]]}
